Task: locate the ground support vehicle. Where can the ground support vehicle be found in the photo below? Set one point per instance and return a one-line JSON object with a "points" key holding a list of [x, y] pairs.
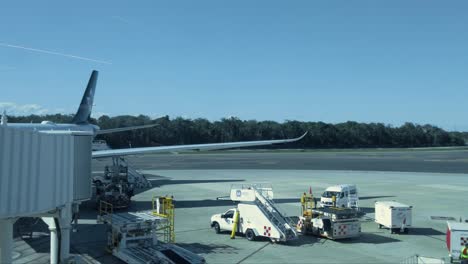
{"points": [[133, 238], [118, 183], [343, 195], [394, 216], [257, 215], [330, 222]]}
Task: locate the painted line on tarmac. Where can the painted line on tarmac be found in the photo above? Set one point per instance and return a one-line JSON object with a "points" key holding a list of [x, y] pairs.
{"points": [[253, 253]]}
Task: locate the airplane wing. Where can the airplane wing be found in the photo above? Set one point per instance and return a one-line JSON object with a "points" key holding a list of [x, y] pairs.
{"points": [[212, 146], [121, 129]]}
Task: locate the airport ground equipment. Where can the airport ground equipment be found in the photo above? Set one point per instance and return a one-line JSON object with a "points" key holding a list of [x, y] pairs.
{"points": [[329, 222], [259, 216], [395, 216], [133, 238], [456, 237], [343, 195], [118, 183], [163, 206]]}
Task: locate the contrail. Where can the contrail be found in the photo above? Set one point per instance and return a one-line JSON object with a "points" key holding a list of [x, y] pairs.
{"points": [[53, 53]]}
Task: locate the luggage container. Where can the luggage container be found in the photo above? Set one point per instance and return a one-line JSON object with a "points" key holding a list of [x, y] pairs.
{"points": [[393, 215], [456, 238]]}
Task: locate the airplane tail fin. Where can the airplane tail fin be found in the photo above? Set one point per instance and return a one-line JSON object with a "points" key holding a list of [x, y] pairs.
{"points": [[86, 105]]}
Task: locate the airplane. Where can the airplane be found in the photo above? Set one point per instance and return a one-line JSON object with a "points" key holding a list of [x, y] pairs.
{"points": [[124, 191]]}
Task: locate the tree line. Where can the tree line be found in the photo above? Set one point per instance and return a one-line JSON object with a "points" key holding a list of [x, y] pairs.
{"points": [[321, 135]]}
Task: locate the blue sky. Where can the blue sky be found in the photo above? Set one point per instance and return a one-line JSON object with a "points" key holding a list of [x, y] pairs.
{"points": [[332, 61]]}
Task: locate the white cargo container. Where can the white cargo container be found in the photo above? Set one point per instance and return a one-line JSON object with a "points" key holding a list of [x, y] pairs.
{"points": [[456, 238], [393, 215]]}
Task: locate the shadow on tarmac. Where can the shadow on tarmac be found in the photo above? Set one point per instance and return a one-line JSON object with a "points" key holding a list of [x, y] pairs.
{"points": [[162, 180], [199, 248], [304, 240], [144, 205], [367, 210], [370, 238], [425, 231], [159, 183], [375, 197]]}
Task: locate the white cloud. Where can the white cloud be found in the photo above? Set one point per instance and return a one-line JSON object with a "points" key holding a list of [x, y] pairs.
{"points": [[25, 109], [121, 19], [99, 114]]}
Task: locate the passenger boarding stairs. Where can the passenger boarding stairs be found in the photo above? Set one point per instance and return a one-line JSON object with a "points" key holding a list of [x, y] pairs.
{"points": [[283, 223], [134, 176]]}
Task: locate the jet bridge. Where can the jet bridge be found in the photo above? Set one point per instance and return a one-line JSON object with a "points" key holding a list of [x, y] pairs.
{"points": [[42, 174]]}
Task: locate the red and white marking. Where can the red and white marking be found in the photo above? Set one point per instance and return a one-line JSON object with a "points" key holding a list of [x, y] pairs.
{"points": [[342, 230], [267, 231], [463, 241]]}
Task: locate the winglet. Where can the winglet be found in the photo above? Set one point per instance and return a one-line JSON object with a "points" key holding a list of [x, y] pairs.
{"points": [[301, 137], [86, 106], [295, 139]]}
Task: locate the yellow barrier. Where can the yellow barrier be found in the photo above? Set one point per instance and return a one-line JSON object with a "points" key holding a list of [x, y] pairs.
{"points": [[307, 204], [234, 224], [165, 209]]}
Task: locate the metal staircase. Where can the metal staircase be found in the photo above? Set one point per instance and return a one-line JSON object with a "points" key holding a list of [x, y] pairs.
{"points": [[134, 176], [280, 221]]}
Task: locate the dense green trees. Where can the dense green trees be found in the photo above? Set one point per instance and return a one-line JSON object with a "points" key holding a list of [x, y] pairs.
{"points": [[321, 135]]}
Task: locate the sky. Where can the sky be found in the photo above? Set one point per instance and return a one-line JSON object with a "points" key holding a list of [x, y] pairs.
{"points": [[332, 61]]}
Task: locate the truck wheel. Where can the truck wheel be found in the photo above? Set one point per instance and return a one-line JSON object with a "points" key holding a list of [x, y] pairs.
{"points": [[250, 235], [216, 228], [380, 226]]}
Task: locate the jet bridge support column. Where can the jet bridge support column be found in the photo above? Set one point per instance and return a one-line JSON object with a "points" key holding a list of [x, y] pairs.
{"points": [[54, 239], [6, 240], [65, 229]]}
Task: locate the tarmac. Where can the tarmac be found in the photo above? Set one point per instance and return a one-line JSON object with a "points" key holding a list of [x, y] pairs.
{"points": [[444, 160], [197, 180]]}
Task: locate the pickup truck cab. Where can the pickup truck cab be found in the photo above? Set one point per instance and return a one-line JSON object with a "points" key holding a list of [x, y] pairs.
{"points": [[223, 222]]}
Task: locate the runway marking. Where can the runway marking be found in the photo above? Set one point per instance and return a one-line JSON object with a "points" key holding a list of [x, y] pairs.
{"points": [[445, 187]]}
